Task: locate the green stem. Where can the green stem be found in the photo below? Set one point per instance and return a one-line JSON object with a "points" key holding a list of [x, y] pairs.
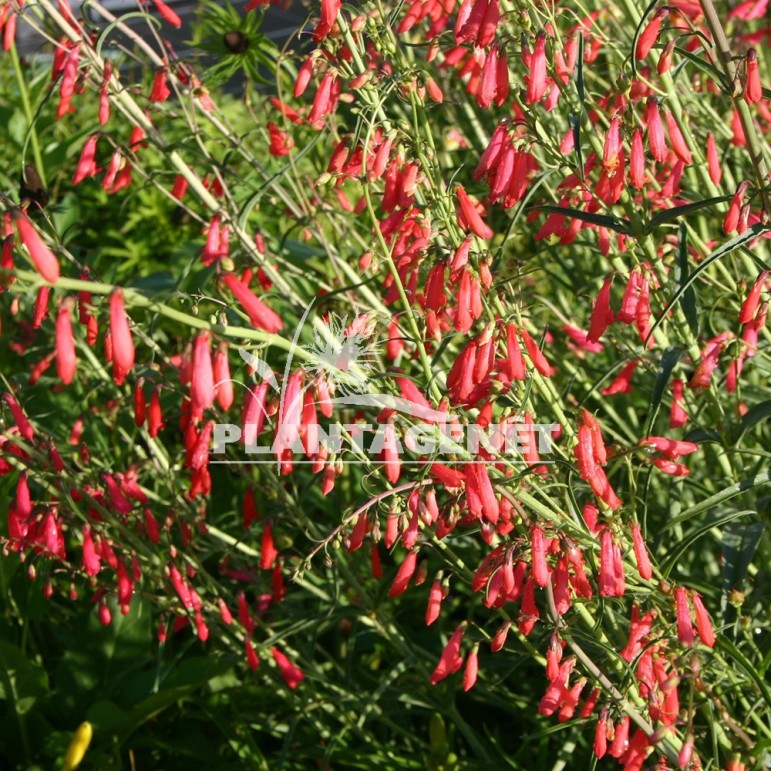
{"points": [[27, 107]]}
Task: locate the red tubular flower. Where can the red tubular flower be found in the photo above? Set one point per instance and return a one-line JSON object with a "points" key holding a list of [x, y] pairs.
{"points": [[223, 383], [601, 735], [468, 216], [87, 163], [154, 414], [685, 631], [540, 569], [268, 551], [21, 420], [537, 81], [639, 628], [499, 638], [731, 220], [254, 414], [678, 417], [391, 453], [489, 24], [160, 92], [435, 597], [104, 99], [304, 76], [628, 311], [622, 383], [656, 141], [66, 360], [738, 139], [665, 60], [167, 13], [404, 574], [92, 562], [202, 376], [260, 315], [252, 659], [713, 160], [709, 360], [488, 84], [280, 142], [750, 305], [612, 146], [40, 311], [122, 342], [641, 553], [292, 675], [471, 670], [450, 661], [607, 565], [140, 405], [326, 98], [42, 257], [329, 13], [703, 622], [602, 314], [650, 34], [536, 355], [753, 91], [68, 82], [620, 742], [556, 690], [468, 302], [671, 448], [676, 139]]}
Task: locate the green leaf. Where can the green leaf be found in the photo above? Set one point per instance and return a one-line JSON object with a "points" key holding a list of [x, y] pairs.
{"points": [[739, 544], [688, 299], [725, 494], [668, 360], [674, 554], [729, 246], [752, 417], [21, 681], [616, 224], [17, 128], [749, 669], [580, 71], [704, 66], [677, 211]]}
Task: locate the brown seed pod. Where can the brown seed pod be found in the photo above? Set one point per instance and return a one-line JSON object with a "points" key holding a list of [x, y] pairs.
{"points": [[31, 187]]}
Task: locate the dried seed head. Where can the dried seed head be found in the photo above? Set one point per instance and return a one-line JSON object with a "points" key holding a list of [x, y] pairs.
{"points": [[236, 42]]}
